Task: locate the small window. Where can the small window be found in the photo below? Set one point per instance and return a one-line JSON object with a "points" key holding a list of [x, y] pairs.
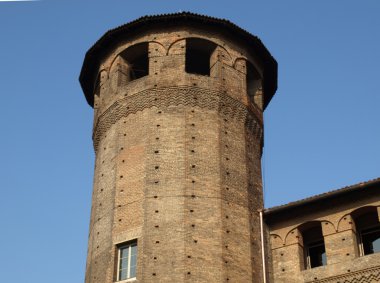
{"points": [[314, 245], [368, 230], [198, 54], [127, 260]]}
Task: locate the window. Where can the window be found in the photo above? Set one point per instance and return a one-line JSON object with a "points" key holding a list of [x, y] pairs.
{"points": [[127, 260], [253, 81], [198, 54], [314, 245], [136, 60], [368, 230]]}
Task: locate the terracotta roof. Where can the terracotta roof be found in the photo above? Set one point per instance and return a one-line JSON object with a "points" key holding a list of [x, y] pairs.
{"points": [[95, 54], [321, 197]]}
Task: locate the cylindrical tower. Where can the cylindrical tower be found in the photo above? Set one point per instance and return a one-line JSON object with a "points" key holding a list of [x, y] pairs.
{"points": [[178, 135]]}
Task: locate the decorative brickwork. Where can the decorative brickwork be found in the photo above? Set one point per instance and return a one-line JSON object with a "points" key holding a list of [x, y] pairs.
{"points": [[176, 96], [369, 275]]}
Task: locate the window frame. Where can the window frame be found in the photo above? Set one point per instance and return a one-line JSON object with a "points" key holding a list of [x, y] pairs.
{"points": [[127, 245]]}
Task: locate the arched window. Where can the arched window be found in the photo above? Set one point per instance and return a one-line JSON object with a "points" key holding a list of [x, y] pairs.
{"points": [[136, 61], [253, 81], [314, 244], [198, 54], [367, 229]]}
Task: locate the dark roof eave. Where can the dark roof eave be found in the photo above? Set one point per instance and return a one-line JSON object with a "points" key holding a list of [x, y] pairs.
{"points": [[318, 198]]}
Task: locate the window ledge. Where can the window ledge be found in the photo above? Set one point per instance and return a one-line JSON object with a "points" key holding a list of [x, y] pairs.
{"points": [[127, 280]]}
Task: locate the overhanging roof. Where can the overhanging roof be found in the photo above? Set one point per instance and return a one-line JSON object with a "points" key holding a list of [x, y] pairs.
{"points": [[99, 50], [368, 187]]}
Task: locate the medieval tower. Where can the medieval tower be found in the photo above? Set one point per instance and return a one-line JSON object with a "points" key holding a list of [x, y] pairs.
{"points": [[178, 134]]}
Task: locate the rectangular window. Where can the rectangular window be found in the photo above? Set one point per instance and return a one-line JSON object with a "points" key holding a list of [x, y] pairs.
{"points": [[127, 260], [370, 240], [316, 255]]}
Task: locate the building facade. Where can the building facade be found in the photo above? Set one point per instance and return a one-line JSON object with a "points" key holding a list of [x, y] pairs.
{"points": [[178, 133], [329, 238]]}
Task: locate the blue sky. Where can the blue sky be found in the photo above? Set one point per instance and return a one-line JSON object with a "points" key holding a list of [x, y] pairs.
{"points": [[321, 128]]}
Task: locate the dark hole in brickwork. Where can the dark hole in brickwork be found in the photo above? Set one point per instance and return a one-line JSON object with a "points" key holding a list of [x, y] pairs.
{"points": [[158, 126], [195, 241], [156, 151], [193, 138], [192, 166], [157, 242], [156, 211], [156, 167], [188, 272], [191, 210], [155, 196], [189, 256], [192, 225]]}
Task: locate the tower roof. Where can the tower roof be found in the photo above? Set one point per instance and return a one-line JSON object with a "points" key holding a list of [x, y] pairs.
{"points": [[99, 50]]}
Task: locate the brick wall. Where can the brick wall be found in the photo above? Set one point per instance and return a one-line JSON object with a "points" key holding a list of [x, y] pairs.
{"points": [[177, 165]]}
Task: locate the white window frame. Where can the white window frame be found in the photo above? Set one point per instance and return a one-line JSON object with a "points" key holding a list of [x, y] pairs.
{"points": [[119, 249]]}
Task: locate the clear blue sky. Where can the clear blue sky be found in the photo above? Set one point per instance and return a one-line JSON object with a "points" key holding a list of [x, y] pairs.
{"points": [[321, 128]]}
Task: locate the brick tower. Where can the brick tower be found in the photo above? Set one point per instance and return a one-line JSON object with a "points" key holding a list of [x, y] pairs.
{"points": [[178, 133]]}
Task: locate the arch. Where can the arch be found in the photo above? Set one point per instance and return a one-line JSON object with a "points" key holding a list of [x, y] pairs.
{"points": [[293, 236], [198, 55], [314, 251], [276, 241], [130, 64], [173, 47], [101, 77], [345, 222], [156, 49], [240, 64], [367, 226]]}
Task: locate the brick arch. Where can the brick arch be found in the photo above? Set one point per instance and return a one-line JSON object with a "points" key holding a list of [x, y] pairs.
{"points": [[237, 65], [115, 57], [345, 223], [347, 220], [328, 227], [159, 48], [293, 236], [173, 46], [276, 241]]}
